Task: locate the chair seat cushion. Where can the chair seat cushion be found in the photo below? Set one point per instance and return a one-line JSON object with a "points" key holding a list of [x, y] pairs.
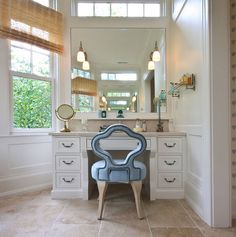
{"points": [[117, 174]]}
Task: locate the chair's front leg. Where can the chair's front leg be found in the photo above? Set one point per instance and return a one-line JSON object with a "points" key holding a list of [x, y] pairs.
{"points": [[102, 187], [137, 187]]}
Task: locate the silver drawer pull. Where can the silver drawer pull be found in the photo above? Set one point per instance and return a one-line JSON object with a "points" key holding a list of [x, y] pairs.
{"points": [[68, 181], [169, 146], [67, 163], [170, 181], [170, 163], [68, 146]]}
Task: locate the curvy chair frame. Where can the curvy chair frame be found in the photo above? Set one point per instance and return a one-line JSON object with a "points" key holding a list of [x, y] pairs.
{"points": [[133, 175]]}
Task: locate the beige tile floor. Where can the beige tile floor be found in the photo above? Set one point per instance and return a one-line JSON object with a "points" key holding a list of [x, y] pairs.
{"points": [[37, 215]]}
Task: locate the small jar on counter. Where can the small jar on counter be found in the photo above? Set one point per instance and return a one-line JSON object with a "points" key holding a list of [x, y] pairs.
{"points": [[104, 114]]}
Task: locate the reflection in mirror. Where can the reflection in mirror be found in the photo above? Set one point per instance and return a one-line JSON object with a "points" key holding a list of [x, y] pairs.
{"points": [[118, 78]]}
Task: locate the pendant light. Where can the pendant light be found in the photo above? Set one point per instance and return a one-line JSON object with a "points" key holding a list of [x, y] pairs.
{"points": [[86, 65], [156, 54], [80, 54], [151, 64]]}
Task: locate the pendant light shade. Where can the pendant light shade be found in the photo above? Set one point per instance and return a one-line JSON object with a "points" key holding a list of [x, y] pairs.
{"points": [[151, 65], [86, 65], [156, 57], [81, 54]]}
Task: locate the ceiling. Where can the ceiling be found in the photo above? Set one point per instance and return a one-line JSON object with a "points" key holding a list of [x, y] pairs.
{"points": [[113, 49]]}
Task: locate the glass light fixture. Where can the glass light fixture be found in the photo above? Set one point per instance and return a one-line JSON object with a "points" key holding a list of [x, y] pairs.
{"points": [[80, 54], [156, 57], [86, 65], [104, 99], [151, 64], [134, 98]]}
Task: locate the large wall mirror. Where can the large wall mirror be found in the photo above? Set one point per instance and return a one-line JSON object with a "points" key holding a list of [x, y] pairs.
{"points": [[118, 78]]}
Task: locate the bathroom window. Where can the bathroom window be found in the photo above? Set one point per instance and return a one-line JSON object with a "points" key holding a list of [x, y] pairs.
{"points": [[32, 87], [118, 9]]}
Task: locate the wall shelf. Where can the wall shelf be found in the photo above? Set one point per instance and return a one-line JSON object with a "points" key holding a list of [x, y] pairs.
{"points": [[187, 80]]}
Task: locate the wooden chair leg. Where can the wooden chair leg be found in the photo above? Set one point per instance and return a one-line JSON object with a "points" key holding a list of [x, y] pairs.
{"points": [[102, 187], [137, 187]]}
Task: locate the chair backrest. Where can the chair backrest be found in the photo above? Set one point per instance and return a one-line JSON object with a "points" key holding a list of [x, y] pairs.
{"points": [[124, 167]]}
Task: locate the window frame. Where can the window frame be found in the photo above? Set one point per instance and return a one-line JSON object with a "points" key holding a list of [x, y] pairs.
{"points": [[74, 8], [53, 61]]}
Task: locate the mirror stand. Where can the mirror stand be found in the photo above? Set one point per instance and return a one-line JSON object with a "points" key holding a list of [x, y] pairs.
{"points": [[65, 129]]}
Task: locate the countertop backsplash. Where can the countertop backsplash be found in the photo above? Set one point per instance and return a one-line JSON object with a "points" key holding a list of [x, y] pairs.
{"points": [[92, 125]]}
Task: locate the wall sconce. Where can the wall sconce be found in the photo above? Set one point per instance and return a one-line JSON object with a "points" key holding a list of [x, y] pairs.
{"points": [[187, 80], [160, 100], [86, 65], [80, 54]]}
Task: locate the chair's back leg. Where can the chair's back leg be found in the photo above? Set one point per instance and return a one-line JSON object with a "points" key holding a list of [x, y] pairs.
{"points": [[102, 188], [137, 187]]}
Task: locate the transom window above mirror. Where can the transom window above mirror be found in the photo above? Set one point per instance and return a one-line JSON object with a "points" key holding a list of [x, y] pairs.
{"points": [[119, 76], [83, 8]]}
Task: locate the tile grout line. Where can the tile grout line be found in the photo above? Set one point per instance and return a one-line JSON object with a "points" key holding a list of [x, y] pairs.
{"points": [[58, 216], [147, 220], [102, 221], [190, 217]]}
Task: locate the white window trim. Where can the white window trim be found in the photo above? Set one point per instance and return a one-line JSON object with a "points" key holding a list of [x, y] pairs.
{"points": [[52, 79], [161, 2]]}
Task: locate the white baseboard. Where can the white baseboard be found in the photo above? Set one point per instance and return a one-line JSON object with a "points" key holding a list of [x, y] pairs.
{"points": [[66, 194], [170, 194], [24, 183], [26, 190], [194, 198]]}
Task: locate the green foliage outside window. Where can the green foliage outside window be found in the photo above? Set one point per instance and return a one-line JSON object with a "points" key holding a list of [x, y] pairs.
{"points": [[31, 103]]}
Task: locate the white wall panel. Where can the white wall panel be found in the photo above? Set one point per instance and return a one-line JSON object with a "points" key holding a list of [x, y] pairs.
{"points": [[28, 156], [194, 163], [25, 163]]}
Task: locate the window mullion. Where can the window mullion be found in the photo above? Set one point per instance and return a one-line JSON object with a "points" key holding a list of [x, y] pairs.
{"points": [[31, 76]]}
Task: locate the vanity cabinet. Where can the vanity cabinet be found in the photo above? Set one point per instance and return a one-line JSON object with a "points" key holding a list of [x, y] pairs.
{"points": [[66, 167], [165, 159], [170, 167]]}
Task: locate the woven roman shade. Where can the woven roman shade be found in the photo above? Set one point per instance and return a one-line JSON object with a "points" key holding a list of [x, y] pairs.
{"points": [[33, 23], [80, 85]]}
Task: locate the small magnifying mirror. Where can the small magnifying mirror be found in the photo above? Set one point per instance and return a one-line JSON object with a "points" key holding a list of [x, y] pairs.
{"points": [[65, 113]]}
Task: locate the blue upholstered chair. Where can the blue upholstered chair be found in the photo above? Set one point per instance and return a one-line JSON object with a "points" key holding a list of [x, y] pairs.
{"points": [[126, 170]]}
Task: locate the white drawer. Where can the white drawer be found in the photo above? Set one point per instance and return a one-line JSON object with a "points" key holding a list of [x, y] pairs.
{"points": [[170, 180], [67, 145], [170, 163], [68, 180], [119, 144], [172, 145], [67, 163]]}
